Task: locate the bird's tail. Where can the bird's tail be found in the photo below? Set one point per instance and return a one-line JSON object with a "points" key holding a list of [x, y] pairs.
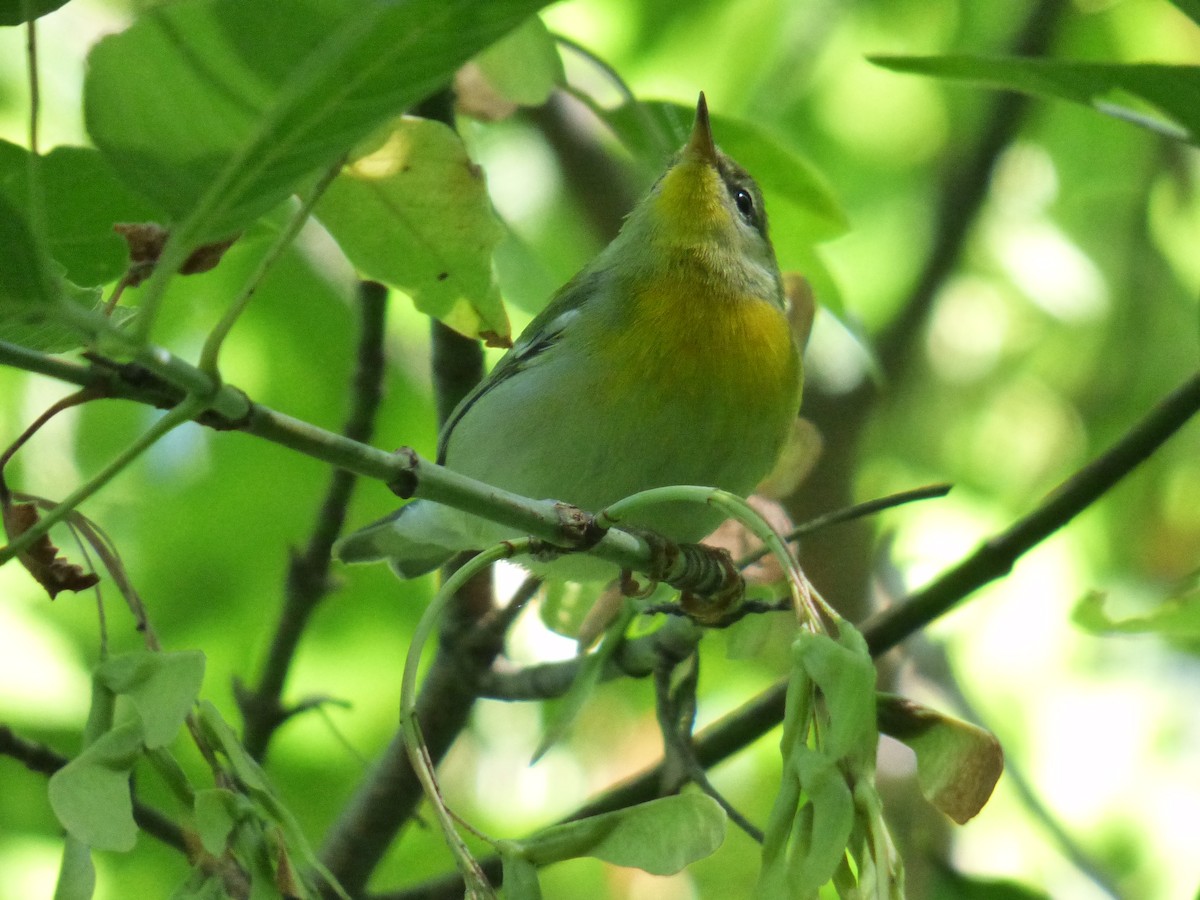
{"points": [[414, 539]]}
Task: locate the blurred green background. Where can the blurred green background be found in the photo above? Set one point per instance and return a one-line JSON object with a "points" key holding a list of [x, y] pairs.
{"points": [[1068, 306]]}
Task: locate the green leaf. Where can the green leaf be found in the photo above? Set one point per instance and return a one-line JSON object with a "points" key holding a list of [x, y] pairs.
{"points": [[77, 873], [845, 674], [82, 199], [958, 764], [25, 281], [587, 676], [1168, 91], [819, 847], [12, 12], [219, 109], [216, 811], [1190, 8], [90, 794], [661, 836], [524, 66], [161, 686], [1177, 618], [414, 213], [520, 877]]}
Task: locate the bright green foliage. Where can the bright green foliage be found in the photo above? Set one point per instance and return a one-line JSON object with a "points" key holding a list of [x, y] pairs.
{"points": [[1171, 90], [659, 836], [264, 115], [524, 66], [827, 807], [1018, 338], [161, 686], [90, 794], [81, 199], [1176, 620], [413, 212]]}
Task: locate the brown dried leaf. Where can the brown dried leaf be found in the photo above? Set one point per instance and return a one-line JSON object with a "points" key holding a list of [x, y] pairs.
{"points": [[53, 572], [146, 241], [802, 306], [958, 764], [475, 96]]}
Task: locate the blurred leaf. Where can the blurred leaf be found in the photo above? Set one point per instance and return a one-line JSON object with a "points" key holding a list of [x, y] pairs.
{"points": [[263, 807], [661, 836], [230, 106], [1190, 8], [1169, 90], [520, 878], [77, 873], [90, 794], [82, 199], [1177, 618], [587, 677], [843, 671], [47, 328], [951, 885], [414, 213], [524, 66], [161, 686], [12, 12], [825, 821], [24, 270], [958, 764], [216, 812]]}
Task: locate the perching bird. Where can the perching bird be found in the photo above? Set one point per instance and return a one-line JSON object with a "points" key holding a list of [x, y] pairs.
{"points": [[669, 359]]}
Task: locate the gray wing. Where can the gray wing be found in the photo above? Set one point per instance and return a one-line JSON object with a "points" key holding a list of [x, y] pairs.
{"points": [[543, 332]]}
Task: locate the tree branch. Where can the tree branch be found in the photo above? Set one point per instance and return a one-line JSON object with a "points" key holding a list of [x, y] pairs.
{"points": [[993, 559], [45, 761], [558, 525], [308, 572]]}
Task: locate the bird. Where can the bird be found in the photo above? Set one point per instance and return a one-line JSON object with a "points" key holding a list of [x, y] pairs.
{"points": [[668, 359]]}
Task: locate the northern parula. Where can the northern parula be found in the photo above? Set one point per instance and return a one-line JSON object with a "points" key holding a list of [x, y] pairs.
{"points": [[669, 359]]}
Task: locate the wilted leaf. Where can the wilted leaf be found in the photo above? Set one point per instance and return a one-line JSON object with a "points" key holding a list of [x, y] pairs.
{"points": [[90, 794], [661, 836], [414, 213], [53, 572], [146, 241], [958, 764]]}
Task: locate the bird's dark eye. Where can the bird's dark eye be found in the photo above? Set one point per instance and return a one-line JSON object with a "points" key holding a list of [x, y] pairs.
{"points": [[745, 205]]}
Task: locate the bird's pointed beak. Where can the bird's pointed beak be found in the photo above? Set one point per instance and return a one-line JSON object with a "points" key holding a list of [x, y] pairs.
{"points": [[700, 146]]}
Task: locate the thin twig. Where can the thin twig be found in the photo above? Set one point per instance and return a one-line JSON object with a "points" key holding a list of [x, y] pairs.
{"points": [[46, 761], [676, 710], [308, 572], [740, 728]]}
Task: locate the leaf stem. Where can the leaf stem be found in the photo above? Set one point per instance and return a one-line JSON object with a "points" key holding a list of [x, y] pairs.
{"points": [[184, 412], [216, 338]]}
